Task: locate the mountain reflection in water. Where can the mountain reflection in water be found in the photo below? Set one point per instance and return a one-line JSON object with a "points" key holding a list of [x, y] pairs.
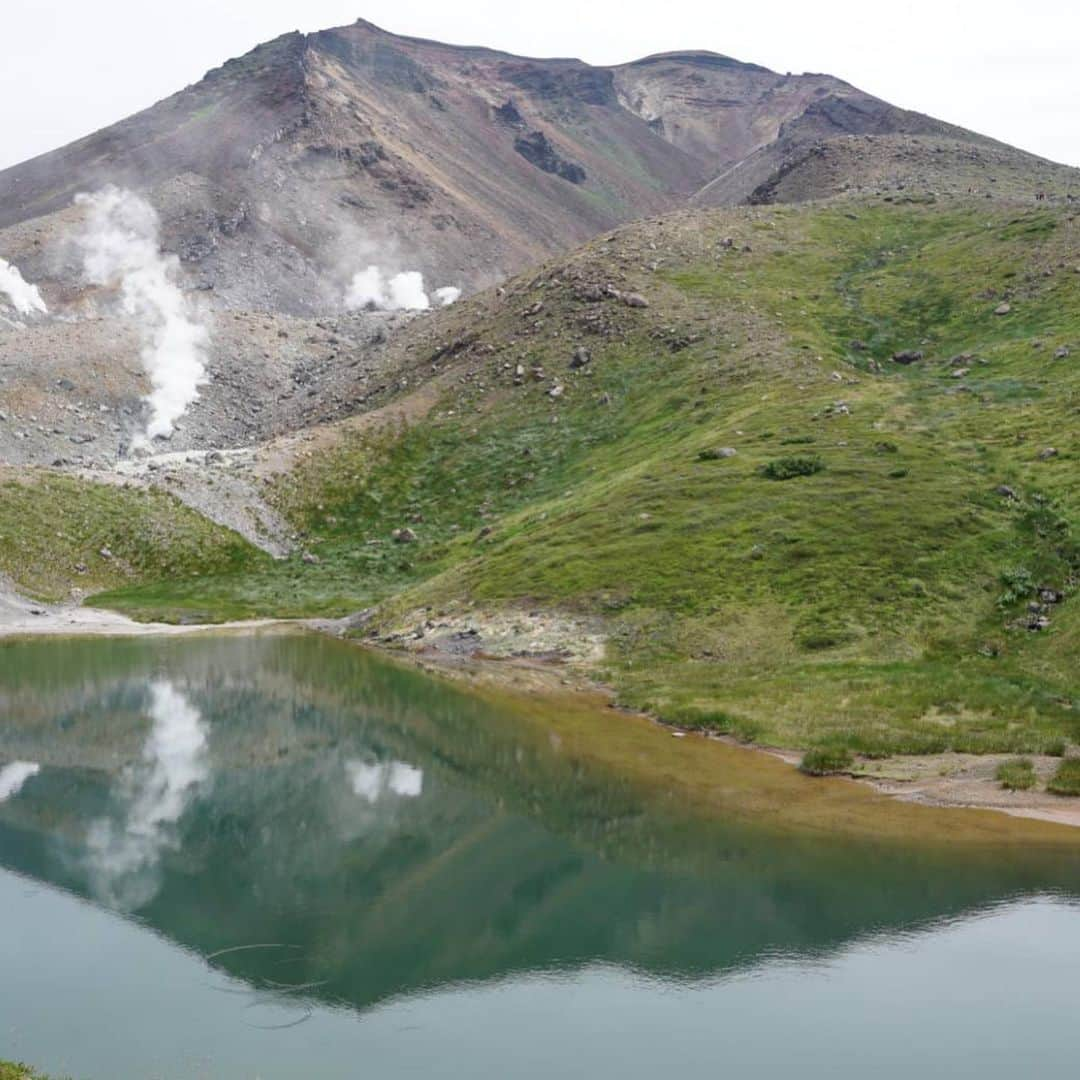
{"points": [[321, 823]]}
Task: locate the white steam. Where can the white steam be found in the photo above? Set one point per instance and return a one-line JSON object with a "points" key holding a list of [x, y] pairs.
{"points": [[373, 781], [125, 856], [24, 297], [13, 776], [120, 246], [373, 289]]}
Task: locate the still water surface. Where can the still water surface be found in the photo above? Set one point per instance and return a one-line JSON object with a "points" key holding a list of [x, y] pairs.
{"points": [[280, 857]]}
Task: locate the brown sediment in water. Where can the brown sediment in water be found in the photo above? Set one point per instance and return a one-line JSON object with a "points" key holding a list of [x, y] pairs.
{"points": [[751, 784], [944, 799]]}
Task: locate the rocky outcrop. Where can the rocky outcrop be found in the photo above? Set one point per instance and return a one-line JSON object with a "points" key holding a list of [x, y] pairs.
{"points": [[536, 148]]}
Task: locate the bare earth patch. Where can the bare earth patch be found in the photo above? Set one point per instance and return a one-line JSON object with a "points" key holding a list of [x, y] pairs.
{"points": [[529, 636], [962, 780]]}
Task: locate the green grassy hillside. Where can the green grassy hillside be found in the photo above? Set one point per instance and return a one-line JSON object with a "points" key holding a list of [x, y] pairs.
{"points": [[859, 571], [56, 528]]}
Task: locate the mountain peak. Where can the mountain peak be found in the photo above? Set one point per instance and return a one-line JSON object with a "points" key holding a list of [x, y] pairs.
{"points": [[697, 58], [462, 162]]}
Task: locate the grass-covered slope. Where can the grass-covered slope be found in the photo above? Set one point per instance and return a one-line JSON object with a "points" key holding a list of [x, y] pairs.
{"points": [[859, 571], [56, 528]]}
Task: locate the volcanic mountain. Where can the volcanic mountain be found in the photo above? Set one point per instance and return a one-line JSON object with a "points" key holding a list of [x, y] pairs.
{"points": [[281, 173]]}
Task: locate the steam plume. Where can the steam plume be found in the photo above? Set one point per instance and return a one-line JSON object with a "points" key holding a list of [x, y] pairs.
{"points": [[374, 290], [24, 297], [121, 246]]}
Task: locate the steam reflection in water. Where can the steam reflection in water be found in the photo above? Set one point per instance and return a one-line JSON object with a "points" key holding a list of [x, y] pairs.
{"points": [[14, 775], [406, 879], [373, 781], [123, 853]]}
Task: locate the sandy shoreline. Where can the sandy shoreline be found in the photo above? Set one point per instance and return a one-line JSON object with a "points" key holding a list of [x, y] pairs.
{"points": [[960, 781], [20, 617], [946, 781]]}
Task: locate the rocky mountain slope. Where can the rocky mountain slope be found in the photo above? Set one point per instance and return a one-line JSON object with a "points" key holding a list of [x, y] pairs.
{"points": [[71, 390], [282, 173]]}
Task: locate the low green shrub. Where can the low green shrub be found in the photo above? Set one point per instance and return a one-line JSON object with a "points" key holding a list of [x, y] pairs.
{"points": [[1066, 781], [788, 468], [714, 721], [692, 716], [1018, 583], [1016, 775], [826, 760]]}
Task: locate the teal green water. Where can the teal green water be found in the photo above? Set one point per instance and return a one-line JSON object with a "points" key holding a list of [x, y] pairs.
{"points": [[281, 857]]}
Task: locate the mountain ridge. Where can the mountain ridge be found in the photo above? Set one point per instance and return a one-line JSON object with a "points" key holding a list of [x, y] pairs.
{"points": [[281, 171]]}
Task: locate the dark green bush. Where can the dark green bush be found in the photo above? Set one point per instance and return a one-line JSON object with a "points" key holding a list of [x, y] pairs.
{"points": [[788, 468], [826, 760], [1016, 775], [714, 721]]}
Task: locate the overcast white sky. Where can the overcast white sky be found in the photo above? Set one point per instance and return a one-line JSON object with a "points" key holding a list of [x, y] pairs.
{"points": [[69, 67]]}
